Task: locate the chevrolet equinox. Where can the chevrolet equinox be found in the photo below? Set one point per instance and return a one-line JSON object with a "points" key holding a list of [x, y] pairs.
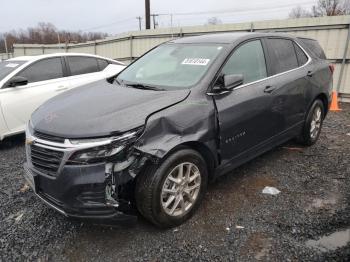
{"points": [[150, 138]]}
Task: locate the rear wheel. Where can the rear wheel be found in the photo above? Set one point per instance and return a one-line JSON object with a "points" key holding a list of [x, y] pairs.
{"points": [[169, 194], [313, 124]]}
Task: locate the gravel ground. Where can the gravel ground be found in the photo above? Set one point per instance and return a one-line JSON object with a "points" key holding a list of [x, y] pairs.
{"points": [[235, 222]]}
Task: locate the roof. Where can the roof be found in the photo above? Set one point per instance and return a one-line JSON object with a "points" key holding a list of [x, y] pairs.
{"points": [[38, 57], [21, 58], [224, 38]]}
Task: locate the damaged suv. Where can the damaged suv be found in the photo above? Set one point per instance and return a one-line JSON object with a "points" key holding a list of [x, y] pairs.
{"points": [[189, 110]]}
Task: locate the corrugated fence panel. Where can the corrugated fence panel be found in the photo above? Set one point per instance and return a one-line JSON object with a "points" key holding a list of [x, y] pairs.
{"points": [[81, 49], [140, 46], [54, 50], [33, 51], [344, 87], [115, 50]]}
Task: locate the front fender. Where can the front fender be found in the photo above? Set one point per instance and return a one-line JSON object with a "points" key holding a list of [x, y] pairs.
{"points": [[188, 121]]}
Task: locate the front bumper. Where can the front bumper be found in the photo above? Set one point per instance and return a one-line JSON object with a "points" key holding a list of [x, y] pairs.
{"points": [[78, 191]]}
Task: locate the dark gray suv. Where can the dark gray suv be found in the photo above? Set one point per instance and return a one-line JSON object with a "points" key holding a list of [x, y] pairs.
{"points": [[150, 138]]}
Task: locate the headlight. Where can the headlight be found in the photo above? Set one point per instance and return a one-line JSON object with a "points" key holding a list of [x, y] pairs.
{"points": [[99, 149]]}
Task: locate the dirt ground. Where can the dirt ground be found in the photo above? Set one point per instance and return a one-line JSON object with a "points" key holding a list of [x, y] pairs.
{"points": [[308, 220]]}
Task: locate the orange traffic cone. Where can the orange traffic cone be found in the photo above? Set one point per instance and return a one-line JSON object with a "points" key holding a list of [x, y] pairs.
{"points": [[334, 104]]}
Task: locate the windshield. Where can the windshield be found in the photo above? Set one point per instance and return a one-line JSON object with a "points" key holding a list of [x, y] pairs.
{"points": [[171, 66], [7, 67]]}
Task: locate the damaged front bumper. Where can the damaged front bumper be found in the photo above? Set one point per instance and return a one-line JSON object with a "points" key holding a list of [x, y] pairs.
{"points": [[101, 190], [80, 192]]}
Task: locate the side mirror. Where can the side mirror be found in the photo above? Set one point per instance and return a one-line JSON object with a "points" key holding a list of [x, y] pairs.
{"points": [[226, 83], [17, 81], [232, 81]]}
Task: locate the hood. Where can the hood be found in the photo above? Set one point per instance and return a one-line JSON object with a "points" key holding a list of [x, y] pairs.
{"points": [[101, 109]]}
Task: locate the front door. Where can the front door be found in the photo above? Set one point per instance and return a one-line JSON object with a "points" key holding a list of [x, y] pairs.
{"points": [[45, 80], [244, 117]]}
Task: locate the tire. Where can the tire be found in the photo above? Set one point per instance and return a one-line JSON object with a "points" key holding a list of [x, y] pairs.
{"points": [[156, 186], [308, 136]]}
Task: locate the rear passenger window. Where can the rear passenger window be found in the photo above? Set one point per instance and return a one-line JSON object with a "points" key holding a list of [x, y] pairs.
{"points": [[248, 60], [82, 65], [302, 58], [314, 47], [283, 55], [42, 70], [102, 64]]}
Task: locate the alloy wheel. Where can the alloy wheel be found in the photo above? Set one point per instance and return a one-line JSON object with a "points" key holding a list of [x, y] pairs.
{"points": [[316, 122], [181, 189]]}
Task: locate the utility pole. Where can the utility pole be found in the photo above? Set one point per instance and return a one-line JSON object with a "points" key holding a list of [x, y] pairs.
{"points": [[147, 14], [154, 20], [139, 18], [58, 39], [7, 51]]}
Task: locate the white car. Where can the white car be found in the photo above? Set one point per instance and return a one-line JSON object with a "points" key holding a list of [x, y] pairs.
{"points": [[28, 81]]}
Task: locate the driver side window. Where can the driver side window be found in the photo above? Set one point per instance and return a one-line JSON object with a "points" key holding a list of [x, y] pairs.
{"points": [[247, 60], [46, 69]]}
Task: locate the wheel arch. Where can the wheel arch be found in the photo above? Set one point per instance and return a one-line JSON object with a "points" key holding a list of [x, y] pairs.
{"points": [[323, 97], [203, 150]]}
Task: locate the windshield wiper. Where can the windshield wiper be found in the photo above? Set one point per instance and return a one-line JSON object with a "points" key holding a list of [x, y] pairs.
{"points": [[145, 87]]}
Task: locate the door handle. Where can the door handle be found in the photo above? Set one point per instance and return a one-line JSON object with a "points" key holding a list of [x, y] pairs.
{"points": [[310, 73], [269, 89]]}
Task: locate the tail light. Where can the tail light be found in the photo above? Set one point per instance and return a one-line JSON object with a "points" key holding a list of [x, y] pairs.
{"points": [[331, 67]]}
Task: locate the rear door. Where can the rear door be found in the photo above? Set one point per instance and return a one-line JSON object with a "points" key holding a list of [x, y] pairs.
{"points": [[45, 80], [84, 70], [288, 83], [244, 120]]}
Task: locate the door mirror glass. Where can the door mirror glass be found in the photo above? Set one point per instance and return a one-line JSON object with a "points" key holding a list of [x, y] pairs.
{"points": [[17, 81], [226, 83], [232, 81]]}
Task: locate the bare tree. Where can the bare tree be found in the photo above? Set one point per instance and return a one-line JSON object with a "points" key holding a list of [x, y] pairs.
{"points": [[323, 8], [299, 12], [328, 8], [46, 33], [214, 21]]}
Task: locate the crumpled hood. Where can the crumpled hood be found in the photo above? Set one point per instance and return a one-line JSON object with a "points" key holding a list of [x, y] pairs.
{"points": [[100, 109]]}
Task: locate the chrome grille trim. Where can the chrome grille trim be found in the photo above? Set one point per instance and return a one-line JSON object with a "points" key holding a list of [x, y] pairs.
{"points": [[66, 149]]}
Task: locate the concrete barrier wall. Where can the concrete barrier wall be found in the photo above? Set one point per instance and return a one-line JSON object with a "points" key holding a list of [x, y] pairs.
{"points": [[331, 32]]}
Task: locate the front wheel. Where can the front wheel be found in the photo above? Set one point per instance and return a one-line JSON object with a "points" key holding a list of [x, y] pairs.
{"points": [[170, 194], [313, 124]]}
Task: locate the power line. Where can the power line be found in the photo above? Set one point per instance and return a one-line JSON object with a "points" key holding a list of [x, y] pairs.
{"points": [[107, 25], [217, 12]]}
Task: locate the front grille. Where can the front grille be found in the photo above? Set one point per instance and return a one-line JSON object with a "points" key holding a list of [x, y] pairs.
{"points": [[46, 160], [48, 137]]}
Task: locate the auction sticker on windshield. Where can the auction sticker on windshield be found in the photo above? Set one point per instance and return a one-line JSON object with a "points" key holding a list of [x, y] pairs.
{"points": [[196, 61]]}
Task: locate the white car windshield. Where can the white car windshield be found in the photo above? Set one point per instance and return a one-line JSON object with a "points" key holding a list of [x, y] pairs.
{"points": [[171, 66], [6, 67]]}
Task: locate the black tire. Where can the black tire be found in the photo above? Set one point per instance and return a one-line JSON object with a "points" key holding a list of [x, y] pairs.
{"points": [[305, 138], [149, 187]]}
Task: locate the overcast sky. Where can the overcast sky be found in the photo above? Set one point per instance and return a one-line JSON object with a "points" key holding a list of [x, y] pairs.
{"points": [[116, 16]]}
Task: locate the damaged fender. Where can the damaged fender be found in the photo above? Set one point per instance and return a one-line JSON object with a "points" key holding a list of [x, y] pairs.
{"points": [[187, 122]]}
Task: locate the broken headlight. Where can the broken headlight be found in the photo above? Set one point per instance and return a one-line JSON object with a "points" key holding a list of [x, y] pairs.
{"points": [[100, 149]]}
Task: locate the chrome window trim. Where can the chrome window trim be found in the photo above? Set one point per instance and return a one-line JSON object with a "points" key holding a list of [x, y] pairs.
{"points": [[270, 77]]}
